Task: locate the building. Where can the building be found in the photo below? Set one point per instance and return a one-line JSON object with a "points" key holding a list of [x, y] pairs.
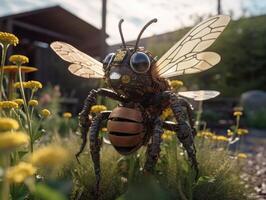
{"points": [[36, 29]]}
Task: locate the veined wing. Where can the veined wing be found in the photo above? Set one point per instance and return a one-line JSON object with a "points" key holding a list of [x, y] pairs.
{"points": [[200, 95], [82, 65], [186, 55]]}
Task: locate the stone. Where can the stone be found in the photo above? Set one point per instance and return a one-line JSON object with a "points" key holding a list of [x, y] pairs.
{"points": [[253, 100]]}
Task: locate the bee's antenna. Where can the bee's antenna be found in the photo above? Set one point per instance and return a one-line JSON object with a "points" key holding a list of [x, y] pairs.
{"points": [[142, 30], [121, 33]]}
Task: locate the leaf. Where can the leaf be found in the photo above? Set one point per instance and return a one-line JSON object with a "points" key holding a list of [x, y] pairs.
{"points": [[205, 180], [22, 153], [46, 193]]}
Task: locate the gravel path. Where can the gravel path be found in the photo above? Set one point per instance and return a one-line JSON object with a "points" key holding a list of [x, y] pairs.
{"points": [[255, 172]]}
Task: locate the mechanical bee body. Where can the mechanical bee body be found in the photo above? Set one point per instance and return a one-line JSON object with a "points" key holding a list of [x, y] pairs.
{"points": [[139, 83]]}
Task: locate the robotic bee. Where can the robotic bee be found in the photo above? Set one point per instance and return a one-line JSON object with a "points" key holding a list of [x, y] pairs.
{"points": [[139, 82]]}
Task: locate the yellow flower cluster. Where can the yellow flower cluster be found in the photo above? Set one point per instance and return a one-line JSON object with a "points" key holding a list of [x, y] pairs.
{"points": [[98, 108], [45, 113], [20, 172], [220, 138], [29, 85], [18, 59], [104, 130], [242, 156], [50, 156], [230, 132], [242, 131], [8, 39], [213, 136], [7, 124], [33, 103], [205, 134], [67, 115], [8, 104], [11, 140], [19, 101], [168, 135], [167, 113], [238, 113], [239, 108], [176, 84]]}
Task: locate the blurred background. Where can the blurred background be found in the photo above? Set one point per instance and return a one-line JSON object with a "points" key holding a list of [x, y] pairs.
{"points": [[91, 26]]}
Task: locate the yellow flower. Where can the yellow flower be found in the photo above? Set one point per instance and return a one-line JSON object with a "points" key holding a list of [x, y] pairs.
{"points": [[50, 156], [67, 115], [19, 101], [206, 134], [8, 39], [167, 113], [242, 131], [18, 59], [242, 155], [33, 103], [176, 84], [214, 137], [34, 85], [168, 135], [230, 132], [104, 130], [17, 84], [238, 113], [8, 104], [239, 108], [45, 113], [24, 69], [98, 108], [7, 124], [12, 140], [222, 138], [20, 172]]}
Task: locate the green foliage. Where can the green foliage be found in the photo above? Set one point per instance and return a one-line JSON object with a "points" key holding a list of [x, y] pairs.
{"points": [[242, 47], [257, 119], [44, 192], [123, 179]]}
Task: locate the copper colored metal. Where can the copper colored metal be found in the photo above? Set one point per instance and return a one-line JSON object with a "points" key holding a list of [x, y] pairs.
{"points": [[126, 113], [125, 141], [124, 127]]}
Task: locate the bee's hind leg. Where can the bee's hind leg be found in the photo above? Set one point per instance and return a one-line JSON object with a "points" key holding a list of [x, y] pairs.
{"points": [[95, 146], [153, 149], [185, 132]]}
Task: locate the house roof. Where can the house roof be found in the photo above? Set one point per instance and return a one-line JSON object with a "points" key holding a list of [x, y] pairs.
{"points": [[54, 23]]}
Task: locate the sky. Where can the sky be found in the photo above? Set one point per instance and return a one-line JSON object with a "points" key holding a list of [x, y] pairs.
{"points": [[171, 14]]}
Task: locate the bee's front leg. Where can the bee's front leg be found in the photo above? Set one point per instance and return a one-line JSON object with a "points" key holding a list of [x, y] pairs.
{"points": [[95, 146], [153, 149], [85, 119], [184, 129]]}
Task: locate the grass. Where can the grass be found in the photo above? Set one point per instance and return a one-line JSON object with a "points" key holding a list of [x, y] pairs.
{"points": [[123, 179]]}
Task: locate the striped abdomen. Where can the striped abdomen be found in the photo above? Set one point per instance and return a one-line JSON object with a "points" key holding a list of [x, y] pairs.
{"points": [[125, 129]]}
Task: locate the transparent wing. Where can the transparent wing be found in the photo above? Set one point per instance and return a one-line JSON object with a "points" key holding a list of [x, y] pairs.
{"points": [[200, 95], [82, 64], [186, 56]]}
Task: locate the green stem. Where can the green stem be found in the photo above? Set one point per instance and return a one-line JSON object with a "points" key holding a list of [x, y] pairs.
{"points": [[26, 108], [198, 117], [5, 186], [3, 59]]}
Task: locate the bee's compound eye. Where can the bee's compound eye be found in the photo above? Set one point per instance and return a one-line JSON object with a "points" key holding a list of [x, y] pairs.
{"points": [[140, 62], [108, 59]]}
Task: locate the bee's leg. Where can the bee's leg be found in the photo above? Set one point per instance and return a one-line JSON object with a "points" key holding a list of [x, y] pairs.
{"points": [[183, 102], [153, 149], [84, 118], [95, 145], [185, 131]]}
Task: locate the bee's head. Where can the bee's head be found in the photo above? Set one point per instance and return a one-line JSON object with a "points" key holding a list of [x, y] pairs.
{"points": [[129, 68]]}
